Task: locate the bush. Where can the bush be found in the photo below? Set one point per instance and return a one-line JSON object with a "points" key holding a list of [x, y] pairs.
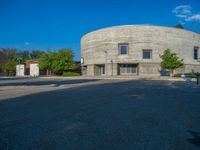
{"points": [[70, 74]]}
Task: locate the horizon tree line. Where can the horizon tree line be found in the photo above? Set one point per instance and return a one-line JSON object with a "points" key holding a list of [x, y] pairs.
{"points": [[53, 61]]}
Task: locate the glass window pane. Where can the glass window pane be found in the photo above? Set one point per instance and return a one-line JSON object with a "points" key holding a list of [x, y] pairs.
{"points": [[134, 70], [128, 69], [147, 54], [123, 49], [196, 53], [102, 67]]}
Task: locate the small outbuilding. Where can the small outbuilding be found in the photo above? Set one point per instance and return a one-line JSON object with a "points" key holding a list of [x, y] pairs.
{"points": [[34, 70], [20, 70], [32, 67]]}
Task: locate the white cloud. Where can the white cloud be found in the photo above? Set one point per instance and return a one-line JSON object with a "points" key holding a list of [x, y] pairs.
{"points": [[182, 16], [195, 17], [184, 13], [27, 43]]}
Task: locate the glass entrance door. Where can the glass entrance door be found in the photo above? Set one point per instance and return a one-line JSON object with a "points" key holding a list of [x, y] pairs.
{"points": [[102, 69], [126, 69]]}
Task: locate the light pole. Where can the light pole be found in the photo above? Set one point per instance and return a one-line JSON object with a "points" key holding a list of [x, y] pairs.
{"points": [[82, 62]]}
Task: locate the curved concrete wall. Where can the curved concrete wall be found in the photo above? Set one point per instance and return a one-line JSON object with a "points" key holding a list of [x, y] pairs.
{"points": [[101, 46]]}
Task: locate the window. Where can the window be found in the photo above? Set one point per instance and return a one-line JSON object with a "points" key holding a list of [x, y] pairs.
{"points": [[127, 68], [196, 53], [102, 68], [123, 49], [147, 54]]}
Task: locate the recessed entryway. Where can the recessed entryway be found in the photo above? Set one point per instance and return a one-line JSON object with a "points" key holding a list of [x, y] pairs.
{"points": [[127, 69]]}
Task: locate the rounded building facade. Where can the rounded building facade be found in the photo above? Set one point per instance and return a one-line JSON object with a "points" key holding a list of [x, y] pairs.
{"points": [[136, 50]]}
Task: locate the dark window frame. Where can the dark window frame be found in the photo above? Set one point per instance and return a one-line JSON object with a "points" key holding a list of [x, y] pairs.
{"points": [[127, 68], [196, 53], [150, 54], [120, 50], [103, 69]]}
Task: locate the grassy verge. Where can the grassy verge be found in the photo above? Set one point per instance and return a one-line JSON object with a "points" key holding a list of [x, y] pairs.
{"points": [[70, 74]]}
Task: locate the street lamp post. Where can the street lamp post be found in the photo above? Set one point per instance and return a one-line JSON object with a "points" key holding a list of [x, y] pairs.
{"points": [[82, 62]]}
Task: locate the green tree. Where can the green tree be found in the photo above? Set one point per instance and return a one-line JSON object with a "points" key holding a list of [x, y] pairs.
{"points": [[46, 61], [11, 53], [58, 62], [3, 58], [10, 66], [63, 60], [22, 56], [35, 54], [170, 61]]}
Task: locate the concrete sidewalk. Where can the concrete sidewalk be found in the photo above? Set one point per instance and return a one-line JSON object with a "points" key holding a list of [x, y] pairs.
{"points": [[121, 78]]}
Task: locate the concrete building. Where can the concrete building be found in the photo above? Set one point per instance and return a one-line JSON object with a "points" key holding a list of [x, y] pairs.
{"points": [[136, 50], [32, 67], [20, 70], [34, 70]]}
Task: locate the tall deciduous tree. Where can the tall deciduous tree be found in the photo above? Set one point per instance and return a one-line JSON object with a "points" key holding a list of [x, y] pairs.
{"points": [[57, 62], [170, 61], [11, 55], [3, 58], [22, 56], [46, 61], [63, 60], [35, 54]]}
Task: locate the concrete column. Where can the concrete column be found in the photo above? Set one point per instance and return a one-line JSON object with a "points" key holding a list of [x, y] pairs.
{"points": [[90, 70], [115, 69]]}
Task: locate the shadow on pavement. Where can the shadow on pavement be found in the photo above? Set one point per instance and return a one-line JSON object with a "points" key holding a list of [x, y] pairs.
{"points": [[196, 138], [138, 114], [46, 82], [16, 78]]}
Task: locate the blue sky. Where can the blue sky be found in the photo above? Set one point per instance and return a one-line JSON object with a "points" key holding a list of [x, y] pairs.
{"points": [[53, 24]]}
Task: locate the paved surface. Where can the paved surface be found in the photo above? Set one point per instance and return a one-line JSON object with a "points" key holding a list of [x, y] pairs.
{"points": [[100, 115], [15, 87]]}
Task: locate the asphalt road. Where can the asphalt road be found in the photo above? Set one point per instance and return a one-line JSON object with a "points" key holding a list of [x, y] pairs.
{"points": [[125, 115]]}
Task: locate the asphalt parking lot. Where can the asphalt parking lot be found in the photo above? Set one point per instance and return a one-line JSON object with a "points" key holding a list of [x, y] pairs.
{"points": [[49, 114]]}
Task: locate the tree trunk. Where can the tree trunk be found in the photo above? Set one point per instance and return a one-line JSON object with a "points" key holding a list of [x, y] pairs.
{"points": [[172, 73]]}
